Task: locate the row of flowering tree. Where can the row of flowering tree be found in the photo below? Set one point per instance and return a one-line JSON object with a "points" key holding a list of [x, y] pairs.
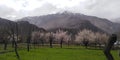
{"points": [[84, 37], [59, 37], [87, 37]]}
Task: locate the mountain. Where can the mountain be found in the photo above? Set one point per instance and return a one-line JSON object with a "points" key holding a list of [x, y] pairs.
{"points": [[23, 26], [72, 21], [117, 20]]}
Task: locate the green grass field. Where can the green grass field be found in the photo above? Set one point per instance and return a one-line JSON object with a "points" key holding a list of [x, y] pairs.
{"points": [[65, 53]]}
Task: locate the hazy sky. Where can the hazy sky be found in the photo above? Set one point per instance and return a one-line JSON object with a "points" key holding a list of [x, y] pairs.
{"points": [[15, 9]]}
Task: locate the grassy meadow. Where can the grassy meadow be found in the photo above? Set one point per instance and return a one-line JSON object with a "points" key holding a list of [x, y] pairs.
{"points": [[57, 53]]}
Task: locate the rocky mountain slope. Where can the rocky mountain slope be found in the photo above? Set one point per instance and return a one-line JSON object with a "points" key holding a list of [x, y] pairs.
{"points": [[72, 20]]}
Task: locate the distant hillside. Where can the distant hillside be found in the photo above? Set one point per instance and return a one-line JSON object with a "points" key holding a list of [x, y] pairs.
{"points": [[72, 20], [23, 26], [117, 20]]}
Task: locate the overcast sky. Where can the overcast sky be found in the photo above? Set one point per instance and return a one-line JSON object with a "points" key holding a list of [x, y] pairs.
{"points": [[15, 9]]}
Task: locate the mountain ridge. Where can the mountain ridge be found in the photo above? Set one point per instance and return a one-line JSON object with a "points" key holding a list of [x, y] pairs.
{"points": [[53, 20]]}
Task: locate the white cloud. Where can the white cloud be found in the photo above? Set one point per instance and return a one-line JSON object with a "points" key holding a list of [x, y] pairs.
{"points": [[22, 4], [13, 9], [65, 3]]}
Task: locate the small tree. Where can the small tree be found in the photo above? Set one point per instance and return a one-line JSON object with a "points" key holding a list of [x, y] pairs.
{"points": [[42, 38], [51, 38], [5, 35], [14, 35], [85, 37], [101, 38], [85, 42], [38, 37], [35, 38], [62, 36], [29, 38]]}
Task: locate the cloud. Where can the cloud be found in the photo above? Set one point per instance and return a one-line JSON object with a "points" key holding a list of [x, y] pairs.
{"points": [[6, 11], [101, 8], [105, 8], [65, 3], [15, 9], [45, 9]]}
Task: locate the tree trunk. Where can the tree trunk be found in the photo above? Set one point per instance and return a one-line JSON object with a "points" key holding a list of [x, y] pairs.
{"points": [[108, 47], [15, 42], [42, 42], [68, 43], [51, 44], [28, 44], [5, 45], [16, 52], [61, 42], [15, 47], [29, 38]]}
